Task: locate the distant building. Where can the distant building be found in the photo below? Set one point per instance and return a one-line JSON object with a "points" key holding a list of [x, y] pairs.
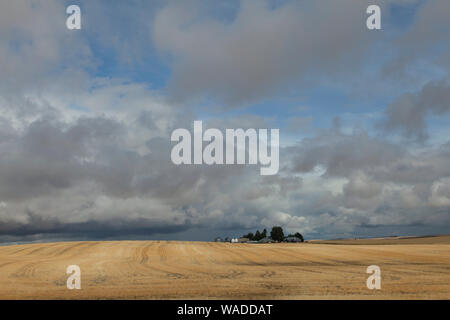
{"points": [[292, 239], [234, 240], [227, 239], [266, 240], [243, 240], [218, 239]]}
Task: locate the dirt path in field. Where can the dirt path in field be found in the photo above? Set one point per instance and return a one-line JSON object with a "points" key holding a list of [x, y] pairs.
{"points": [[202, 270]]}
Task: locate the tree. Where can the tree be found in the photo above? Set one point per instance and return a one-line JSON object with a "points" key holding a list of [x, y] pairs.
{"points": [[257, 236], [264, 234], [249, 236], [277, 233], [299, 235]]}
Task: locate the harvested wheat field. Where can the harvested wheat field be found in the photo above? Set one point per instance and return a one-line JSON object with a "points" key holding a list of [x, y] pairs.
{"points": [[202, 270]]}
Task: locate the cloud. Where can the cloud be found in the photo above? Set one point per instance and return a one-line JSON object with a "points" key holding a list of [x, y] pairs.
{"points": [[35, 43], [259, 51], [85, 178], [363, 181], [84, 155], [341, 154], [408, 113]]}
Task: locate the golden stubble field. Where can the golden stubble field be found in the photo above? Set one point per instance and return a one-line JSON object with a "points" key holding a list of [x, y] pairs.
{"points": [[202, 270]]}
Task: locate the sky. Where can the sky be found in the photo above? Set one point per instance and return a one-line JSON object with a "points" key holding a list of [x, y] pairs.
{"points": [[86, 118]]}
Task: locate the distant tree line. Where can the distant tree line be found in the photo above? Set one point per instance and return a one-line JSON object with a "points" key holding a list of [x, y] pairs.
{"points": [[257, 236], [276, 234]]}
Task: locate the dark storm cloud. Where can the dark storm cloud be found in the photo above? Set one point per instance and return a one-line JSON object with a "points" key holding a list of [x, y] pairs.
{"points": [[92, 229], [50, 155]]}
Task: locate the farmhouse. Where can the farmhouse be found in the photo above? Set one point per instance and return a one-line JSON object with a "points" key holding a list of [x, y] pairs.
{"points": [[266, 240], [292, 239]]}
